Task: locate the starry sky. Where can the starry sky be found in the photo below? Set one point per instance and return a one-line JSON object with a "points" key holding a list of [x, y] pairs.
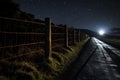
{"points": [[84, 14]]}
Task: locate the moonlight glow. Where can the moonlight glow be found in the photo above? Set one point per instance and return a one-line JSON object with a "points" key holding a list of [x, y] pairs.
{"points": [[101, 32]]}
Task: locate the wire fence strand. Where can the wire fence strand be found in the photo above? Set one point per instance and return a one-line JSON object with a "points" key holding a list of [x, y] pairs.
{"points": [[22, 45], [35, 33]]}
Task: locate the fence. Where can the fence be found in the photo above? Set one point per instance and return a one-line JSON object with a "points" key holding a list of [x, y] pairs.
{"points": [[16, 34]]}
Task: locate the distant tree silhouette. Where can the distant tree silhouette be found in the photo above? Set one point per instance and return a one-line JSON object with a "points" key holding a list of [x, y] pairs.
{"points": [[8, 8], [38, 20], [26, 16], [115, 30]]}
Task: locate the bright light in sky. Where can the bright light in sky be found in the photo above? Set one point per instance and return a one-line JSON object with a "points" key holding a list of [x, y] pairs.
{"points": [[101, 32]]}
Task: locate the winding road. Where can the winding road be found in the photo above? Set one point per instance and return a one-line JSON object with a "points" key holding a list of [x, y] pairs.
{"points": [[99, 61]]}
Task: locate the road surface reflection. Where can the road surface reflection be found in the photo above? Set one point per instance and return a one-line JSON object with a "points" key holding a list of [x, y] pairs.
{"points": [[103, 64]]}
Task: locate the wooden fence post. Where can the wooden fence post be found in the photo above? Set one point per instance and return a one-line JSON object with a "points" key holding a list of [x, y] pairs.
{"points": [[74, 36], [78, 35], [66, 37], [48, 46], [81, 36]]}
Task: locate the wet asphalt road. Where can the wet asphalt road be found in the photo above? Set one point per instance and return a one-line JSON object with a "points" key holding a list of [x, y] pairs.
{"points": [[102, 65], [97, 61]]}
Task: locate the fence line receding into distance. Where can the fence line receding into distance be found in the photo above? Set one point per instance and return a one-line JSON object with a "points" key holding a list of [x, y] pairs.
{"points": [[16, 34]]}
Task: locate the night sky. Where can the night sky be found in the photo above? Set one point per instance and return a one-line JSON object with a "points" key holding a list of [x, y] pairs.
{"points": [[87, 14]]}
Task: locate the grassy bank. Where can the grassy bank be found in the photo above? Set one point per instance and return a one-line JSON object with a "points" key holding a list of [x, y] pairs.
{"points": [[35, 67], [116, 41]]}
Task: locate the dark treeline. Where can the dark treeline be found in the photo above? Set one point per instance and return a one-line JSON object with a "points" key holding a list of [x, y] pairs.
{"points": [[113, 33], [115, 30], [10, 9]]}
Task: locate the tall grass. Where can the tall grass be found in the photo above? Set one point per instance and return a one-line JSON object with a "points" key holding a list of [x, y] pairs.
{"points": [[34, 66]]}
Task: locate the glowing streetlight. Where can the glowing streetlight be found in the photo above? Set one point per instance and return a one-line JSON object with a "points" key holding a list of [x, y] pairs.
{"points": [[101, 32]]}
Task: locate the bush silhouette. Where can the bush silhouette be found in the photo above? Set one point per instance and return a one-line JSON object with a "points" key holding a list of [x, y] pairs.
{"points": [[8, 8]]}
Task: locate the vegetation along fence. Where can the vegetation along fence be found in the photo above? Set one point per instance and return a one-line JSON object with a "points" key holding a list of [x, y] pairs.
{"points": [[16, 35]]}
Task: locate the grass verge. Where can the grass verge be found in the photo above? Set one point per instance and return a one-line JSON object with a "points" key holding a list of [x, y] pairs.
{"points": [[112, 41], [35, 67], [116, 41]]}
